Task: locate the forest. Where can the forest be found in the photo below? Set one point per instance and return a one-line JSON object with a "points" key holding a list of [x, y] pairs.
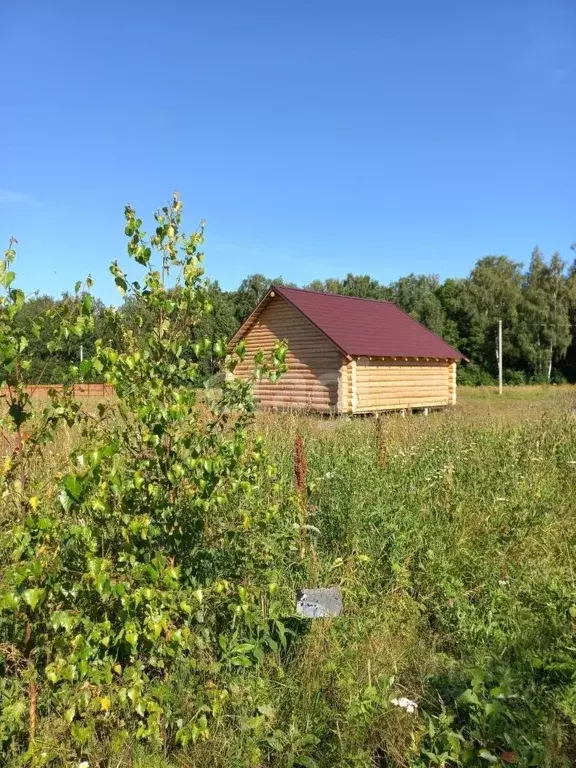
{"points": [[537, 305]]}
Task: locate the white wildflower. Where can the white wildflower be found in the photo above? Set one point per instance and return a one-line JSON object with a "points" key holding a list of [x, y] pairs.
{"points": [[405, 703], [503, 582], [84, 764]]}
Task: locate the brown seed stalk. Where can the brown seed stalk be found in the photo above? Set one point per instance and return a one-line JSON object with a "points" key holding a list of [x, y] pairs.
{"points": [[381, 443], [300, 466]]}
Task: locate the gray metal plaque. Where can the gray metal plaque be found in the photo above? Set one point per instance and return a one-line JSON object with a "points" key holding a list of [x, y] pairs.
{"points": [[319, 603]]}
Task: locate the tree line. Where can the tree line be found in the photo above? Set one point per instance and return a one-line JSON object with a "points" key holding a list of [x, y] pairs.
{"points": [[537, 306]]}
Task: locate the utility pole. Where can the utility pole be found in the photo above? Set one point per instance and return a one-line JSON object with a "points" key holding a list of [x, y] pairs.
{"points": [[500, 356]]}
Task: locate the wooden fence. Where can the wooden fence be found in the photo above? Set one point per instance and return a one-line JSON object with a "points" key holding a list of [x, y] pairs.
{"points": [[80, 390]]}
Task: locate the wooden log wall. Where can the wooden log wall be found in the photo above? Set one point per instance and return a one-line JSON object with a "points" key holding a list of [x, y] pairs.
{"points": [[398, 384], [452, 382], [312, 379]]}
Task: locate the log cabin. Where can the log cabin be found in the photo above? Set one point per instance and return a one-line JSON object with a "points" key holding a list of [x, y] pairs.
{"points": [[347, 355]]}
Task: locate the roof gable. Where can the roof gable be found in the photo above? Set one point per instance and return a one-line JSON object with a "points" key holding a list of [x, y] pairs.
{"points": [[366, 327]]}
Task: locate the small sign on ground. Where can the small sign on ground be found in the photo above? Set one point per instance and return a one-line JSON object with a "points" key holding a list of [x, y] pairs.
{"points": [[319, 603]]}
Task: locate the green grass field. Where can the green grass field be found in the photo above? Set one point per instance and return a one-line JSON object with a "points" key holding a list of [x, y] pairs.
{"points": [[453, 539], [533, 392]]}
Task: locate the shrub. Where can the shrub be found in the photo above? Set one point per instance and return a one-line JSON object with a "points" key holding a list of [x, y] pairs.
{"points": [[539, 378], [136, 558], [558, 377], [514, 378], [472, 375]]}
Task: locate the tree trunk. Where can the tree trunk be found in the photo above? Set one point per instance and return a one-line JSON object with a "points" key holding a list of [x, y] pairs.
{"points": [[549, 372]]}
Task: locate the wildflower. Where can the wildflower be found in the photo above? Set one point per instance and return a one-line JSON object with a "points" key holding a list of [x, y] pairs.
{"points": [[407, 704], [503, 582], [84, 764]]}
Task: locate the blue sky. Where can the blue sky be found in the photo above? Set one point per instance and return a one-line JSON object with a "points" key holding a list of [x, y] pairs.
{"points": [[315, 137]]}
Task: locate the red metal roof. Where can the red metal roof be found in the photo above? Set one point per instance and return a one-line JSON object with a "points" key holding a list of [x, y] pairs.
{"points": [[367, 326]]}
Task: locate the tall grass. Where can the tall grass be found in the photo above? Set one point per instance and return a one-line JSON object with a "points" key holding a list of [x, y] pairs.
{"points": [[458, 554], [455, 555]]}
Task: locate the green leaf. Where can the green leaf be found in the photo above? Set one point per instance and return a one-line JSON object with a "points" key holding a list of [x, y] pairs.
{"points": [[70, 714], [62, 619], [18, 297], [486, 755], [73, 485], [306, 762], [275, 743], [64, 500], [468, 697], [33, 596], [18, 414], [7, 278], [8, 601], [121, 284], [142, 255], [243, 647], [87, 303]]}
